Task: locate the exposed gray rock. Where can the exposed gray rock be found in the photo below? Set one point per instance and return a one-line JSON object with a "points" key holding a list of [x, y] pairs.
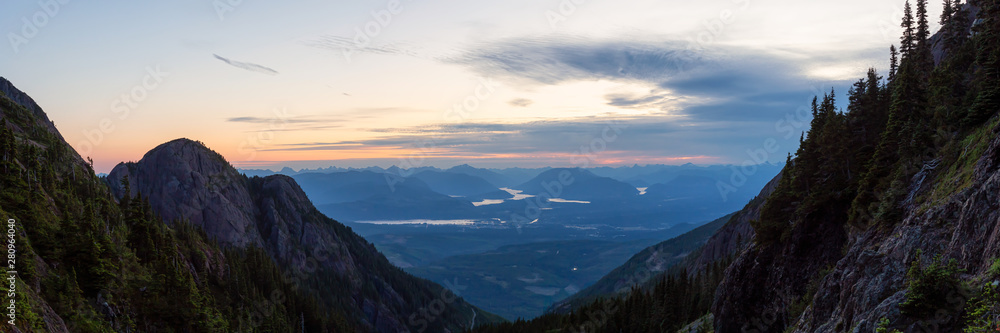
{"points": [[183, 180], [866, 268]]}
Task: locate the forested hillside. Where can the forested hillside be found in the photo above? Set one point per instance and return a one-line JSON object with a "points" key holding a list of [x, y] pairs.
{"points": [[884, 215], [89, 260], [885, 219]]}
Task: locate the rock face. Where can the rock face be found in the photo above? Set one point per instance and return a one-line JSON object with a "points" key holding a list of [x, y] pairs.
{"points": [[867, 283], [860, 275], [829, 276], [184, 180]]}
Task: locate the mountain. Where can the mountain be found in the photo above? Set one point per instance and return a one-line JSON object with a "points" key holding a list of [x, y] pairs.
{"points": [[577, 184], [894, 228], [87, 262], [519, 175], [458, 184], [748, 179], [366, 195], [185, 181], [691, 252], [22, 99], [340, 187], [886, 220], [494, 178], [685, 187], [660, 289]]}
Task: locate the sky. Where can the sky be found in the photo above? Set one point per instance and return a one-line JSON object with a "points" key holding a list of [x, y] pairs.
{"points": [[442, 82]]}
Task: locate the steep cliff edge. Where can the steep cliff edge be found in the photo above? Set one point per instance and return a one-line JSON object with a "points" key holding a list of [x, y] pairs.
{"points": [[888, 217]]}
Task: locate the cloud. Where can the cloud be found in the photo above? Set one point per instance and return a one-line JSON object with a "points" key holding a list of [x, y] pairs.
{"points": [[712, 83], [657, 98], [247, 66], [348, 46], [556, 142], [715, 103], [287, 123], [520, 102], [557, 59]]}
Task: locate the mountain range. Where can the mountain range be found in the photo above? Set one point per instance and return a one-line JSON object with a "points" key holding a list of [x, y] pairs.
{"points": [[181, 241]]}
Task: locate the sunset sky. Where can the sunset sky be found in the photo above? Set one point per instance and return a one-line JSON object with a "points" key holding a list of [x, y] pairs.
{"points": [[318, 83]]}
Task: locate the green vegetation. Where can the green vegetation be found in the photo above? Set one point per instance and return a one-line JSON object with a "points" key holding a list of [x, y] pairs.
{"points": [[521, 281], [958, 163], [883, 327], [114, 266], [982, 313], [925, 117], [675, 300], [932, 287], [107, 264]]}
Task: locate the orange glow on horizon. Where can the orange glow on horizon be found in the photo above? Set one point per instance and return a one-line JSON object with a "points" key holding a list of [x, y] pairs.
{"points": [[418, 157]]}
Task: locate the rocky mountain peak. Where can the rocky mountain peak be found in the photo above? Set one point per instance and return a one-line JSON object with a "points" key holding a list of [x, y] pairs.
{"points": [[185, 180]]}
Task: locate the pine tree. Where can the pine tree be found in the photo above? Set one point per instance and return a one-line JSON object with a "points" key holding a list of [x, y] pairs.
{"points": [[923, 26], [893, 63], [947, 14], [924, 58], [988, 59], [908, 40]]}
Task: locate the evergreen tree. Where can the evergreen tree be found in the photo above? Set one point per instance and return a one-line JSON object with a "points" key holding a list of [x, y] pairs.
{"points": [[893, 63], [947, 13], [908, 39], [924, 58], [987, 40]]}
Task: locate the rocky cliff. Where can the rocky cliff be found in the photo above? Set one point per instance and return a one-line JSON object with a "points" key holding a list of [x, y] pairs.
{"points": [[182, 179], [185, 181], [908, 242]]}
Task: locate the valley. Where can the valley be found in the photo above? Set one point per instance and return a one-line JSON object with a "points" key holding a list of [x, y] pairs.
{"points": [[515, 249]]}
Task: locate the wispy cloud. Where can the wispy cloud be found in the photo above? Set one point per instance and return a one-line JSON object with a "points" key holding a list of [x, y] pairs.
{"points": [[247, 66], [345, 44], [520, 102], [558, 141]]}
